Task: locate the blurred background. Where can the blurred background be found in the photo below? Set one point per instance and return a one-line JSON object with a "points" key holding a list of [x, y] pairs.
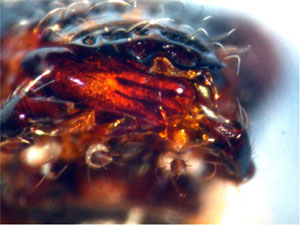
{"points": [[272, 196]]}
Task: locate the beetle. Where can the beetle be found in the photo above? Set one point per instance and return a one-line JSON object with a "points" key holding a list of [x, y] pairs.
{"points": [[140, 89]]}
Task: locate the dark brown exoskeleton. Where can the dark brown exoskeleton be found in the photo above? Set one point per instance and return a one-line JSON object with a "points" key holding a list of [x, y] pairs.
{"points": [[178, 83], [133, 99]]}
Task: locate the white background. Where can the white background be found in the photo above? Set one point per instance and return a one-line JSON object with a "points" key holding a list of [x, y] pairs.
{"points": [[272, 196]]}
